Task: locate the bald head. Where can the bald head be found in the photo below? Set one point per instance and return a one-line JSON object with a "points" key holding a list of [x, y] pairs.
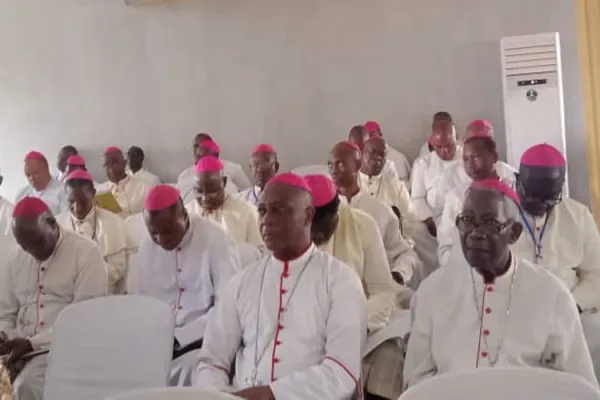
{"points": [[285, 217], [357, 136], [344, 164]]}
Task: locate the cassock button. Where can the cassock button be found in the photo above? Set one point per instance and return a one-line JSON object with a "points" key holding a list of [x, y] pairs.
{"points": [[181, 290], [486, 332], [43, 269], [179, 308], [538, 229], [484, 354], [283, 291], [275, 360], [178, 269], [490, 288], [488, 310], [42, 305], [286, 274], [277, 343], [41, 287], [41, 323], [280, 327]]}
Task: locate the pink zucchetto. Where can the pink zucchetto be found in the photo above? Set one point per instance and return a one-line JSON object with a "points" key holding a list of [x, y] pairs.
{"points": [[291, 179], [543, 155], [499, 186], [263, 148], [30, 207], [480, 128], [372, 127], [34, 155], [161, 197], [209, 164], [76, 161], [348, 145], [211, 146], [79, 174], [323, 189], [112, 149]]}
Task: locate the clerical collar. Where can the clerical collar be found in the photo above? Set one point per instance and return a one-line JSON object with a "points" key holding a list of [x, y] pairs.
{"points": [[187, 237], [90, 215], [353, 199], [301, 258], [503, 280]]}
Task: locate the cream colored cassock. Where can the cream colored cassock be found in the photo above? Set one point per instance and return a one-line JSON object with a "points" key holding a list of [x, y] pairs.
{"points": [[400, 255], [7, 239], [113, 237], [447, 235], [358, 243], [54, 195], [130, 193], [188, 279], [540, 329], [570, 248], [298, 326], [397, 165], [149, 179], [236, 216], [33, 293]]}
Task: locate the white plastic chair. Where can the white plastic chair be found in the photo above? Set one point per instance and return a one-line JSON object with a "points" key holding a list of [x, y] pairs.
{"points": [[173, 394], [108, 345], [316, 169], [137, 227], [502, 384]]}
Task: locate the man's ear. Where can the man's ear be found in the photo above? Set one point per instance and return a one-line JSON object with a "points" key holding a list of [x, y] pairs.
{"points": [[224, 181], [310, 215], [516, 229]]}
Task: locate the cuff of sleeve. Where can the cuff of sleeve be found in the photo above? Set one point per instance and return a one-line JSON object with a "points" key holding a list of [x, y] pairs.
{"points": [[37, 342]]}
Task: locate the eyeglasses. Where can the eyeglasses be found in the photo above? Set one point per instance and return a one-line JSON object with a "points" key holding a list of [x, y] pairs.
{"points": [[487, 226], [528, 198]]}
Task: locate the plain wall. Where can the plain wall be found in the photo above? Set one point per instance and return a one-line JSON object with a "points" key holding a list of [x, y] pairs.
{"points": [[295, 73]]}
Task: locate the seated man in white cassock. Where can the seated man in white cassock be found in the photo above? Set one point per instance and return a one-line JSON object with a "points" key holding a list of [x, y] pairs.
{"points": [[76, 163], [427, 148], [264, 166], [457, 178], [129, 192], [238, 217], [7, 239], [135, 167], [62, 165], [358, 135], [103, 227], [560, 235], [51, 269], [205, 146], [294, 323], [480, 162], [353, 237], [184, 262], [41, 183], [344, 166], [396, 163], [490, 308]]}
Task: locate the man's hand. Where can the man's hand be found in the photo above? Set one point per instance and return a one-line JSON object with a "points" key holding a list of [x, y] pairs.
{"points": [[398, 277], [256, 393], [17, 348], [431, 226]]}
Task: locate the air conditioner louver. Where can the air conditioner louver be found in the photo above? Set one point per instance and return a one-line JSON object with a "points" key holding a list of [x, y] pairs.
{"points": [[522, 57]]}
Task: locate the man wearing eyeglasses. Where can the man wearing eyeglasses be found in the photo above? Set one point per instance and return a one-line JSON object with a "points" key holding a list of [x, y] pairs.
{"points": [[490, 308], [560, 234]]}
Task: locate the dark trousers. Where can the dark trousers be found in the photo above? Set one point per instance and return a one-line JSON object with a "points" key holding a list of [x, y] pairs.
{"points": [[179, 351]]}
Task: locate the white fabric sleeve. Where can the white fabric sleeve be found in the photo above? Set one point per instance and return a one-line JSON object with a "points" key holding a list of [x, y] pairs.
{"points": [[419, 363], [9, 304], [116, 265], [586, 291], [222, 339], [446, 229], [420, 207], [338, 375], [240, 179], [252, 231]]}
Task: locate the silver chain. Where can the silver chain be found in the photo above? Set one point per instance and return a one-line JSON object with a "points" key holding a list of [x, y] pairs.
{"points": [[493, 360]]}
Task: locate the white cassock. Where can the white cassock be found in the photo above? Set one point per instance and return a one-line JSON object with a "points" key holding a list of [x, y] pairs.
{"points": [[186, 182], [388, 190], [297, 326], [456, 178], [149, 179], [236, 216], [569, 247], [250, 195], [54, 195], [7, 239], [424, 149], [447, 234], [400, 255], [427, 171], [461, 324], [32, 294], [397, 165], [130, 193], [188, 279], [111, 233]]}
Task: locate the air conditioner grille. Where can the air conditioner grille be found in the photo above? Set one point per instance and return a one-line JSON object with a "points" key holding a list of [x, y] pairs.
{"points": [[522, 57]]}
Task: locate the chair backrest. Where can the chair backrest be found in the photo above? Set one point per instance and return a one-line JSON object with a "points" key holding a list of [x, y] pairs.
{"points": [[137, 227], [173, 394], [108, 345], [316, 169], [502, 384]]}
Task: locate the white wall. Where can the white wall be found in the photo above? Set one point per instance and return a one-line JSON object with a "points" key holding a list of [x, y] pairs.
{"points": [[295, 73]]}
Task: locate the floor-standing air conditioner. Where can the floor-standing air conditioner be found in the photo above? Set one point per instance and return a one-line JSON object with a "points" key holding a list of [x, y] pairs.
{"points": [[533, 94]]}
